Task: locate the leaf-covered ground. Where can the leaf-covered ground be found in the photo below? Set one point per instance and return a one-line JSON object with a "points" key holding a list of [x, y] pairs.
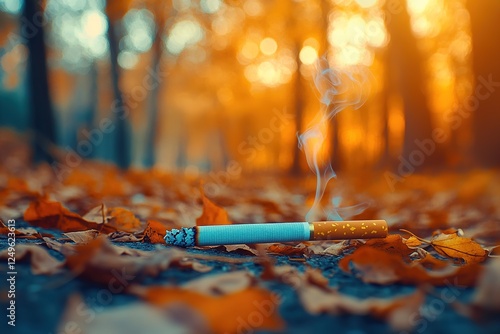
{"points": [[90, 256]]}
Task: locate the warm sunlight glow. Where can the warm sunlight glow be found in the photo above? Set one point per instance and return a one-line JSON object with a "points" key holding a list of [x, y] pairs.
{"points": [[366, 3], [268, 73], [94, 23], [250, 50], [183, 34], [308, 55], [268, 46]]}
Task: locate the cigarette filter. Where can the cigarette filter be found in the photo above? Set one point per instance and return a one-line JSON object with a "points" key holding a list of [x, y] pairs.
{"points": [[276, 232]]}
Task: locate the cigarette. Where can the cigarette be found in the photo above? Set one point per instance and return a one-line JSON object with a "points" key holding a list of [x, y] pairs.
{"points": [[275, 232]]}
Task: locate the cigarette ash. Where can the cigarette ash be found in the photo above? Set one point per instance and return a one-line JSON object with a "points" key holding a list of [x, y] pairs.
{"points": [[185, 237]]}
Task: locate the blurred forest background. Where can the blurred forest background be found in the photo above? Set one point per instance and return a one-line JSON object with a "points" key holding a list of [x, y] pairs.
{"points": [[193, 85]]}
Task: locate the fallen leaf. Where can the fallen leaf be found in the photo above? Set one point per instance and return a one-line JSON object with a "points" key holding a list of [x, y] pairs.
{"points": [[227, 313], [487, 294], [97, 215], [457, 247], [338, 248], [212, 214], [221, 284], [102, 262], [130, 318], [42, 263], [120, 236], [82, 237], [396, 311], [155, 232], [239, 249], [124, 220], [317, 297], [393, 244], [376, 266], [21, 233], [494, 252], [287, 249], [49, 214], [412, 242], [57, 246]]}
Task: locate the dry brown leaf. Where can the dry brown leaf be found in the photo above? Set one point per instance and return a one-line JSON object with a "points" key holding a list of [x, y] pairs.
{"points": [[225, 313], [124, 220], [221, 284], [42, 263], [487, 294], [155, 232], [97, 215], [120, 236], [49, 214], [100, 261], [239, 249], [338, 248], [396, 311], [393, 244], [20, 232], [288, 250], [57, 246], [317, 297], [82, 237], [130, 318], [494, 252], [376, 266], [212, 214]]}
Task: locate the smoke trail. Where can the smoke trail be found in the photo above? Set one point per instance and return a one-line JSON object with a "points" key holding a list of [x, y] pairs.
{"points": [[338, 89]]}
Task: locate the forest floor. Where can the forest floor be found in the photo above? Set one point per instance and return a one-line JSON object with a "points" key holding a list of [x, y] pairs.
{"points": [[90, 256]]}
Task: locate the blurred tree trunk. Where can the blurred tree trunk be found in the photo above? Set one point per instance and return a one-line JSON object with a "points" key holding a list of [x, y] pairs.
{"points": [[42, 114], [406, 70], [485, 28], [297, 23], [160, 10], [298, 104], [123, 131]]}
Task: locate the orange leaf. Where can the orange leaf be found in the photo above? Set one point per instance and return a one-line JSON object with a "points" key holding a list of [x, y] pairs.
{"points": [[287, 249], [212, 214], [124, 220], [412, 242], [457, 247], [393, 243], [376, 266], [49, 214], [155, 232], [102, 262], [228, 313]]}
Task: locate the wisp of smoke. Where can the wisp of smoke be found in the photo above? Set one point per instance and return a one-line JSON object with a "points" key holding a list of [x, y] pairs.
{"points": [[339, 89]]}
